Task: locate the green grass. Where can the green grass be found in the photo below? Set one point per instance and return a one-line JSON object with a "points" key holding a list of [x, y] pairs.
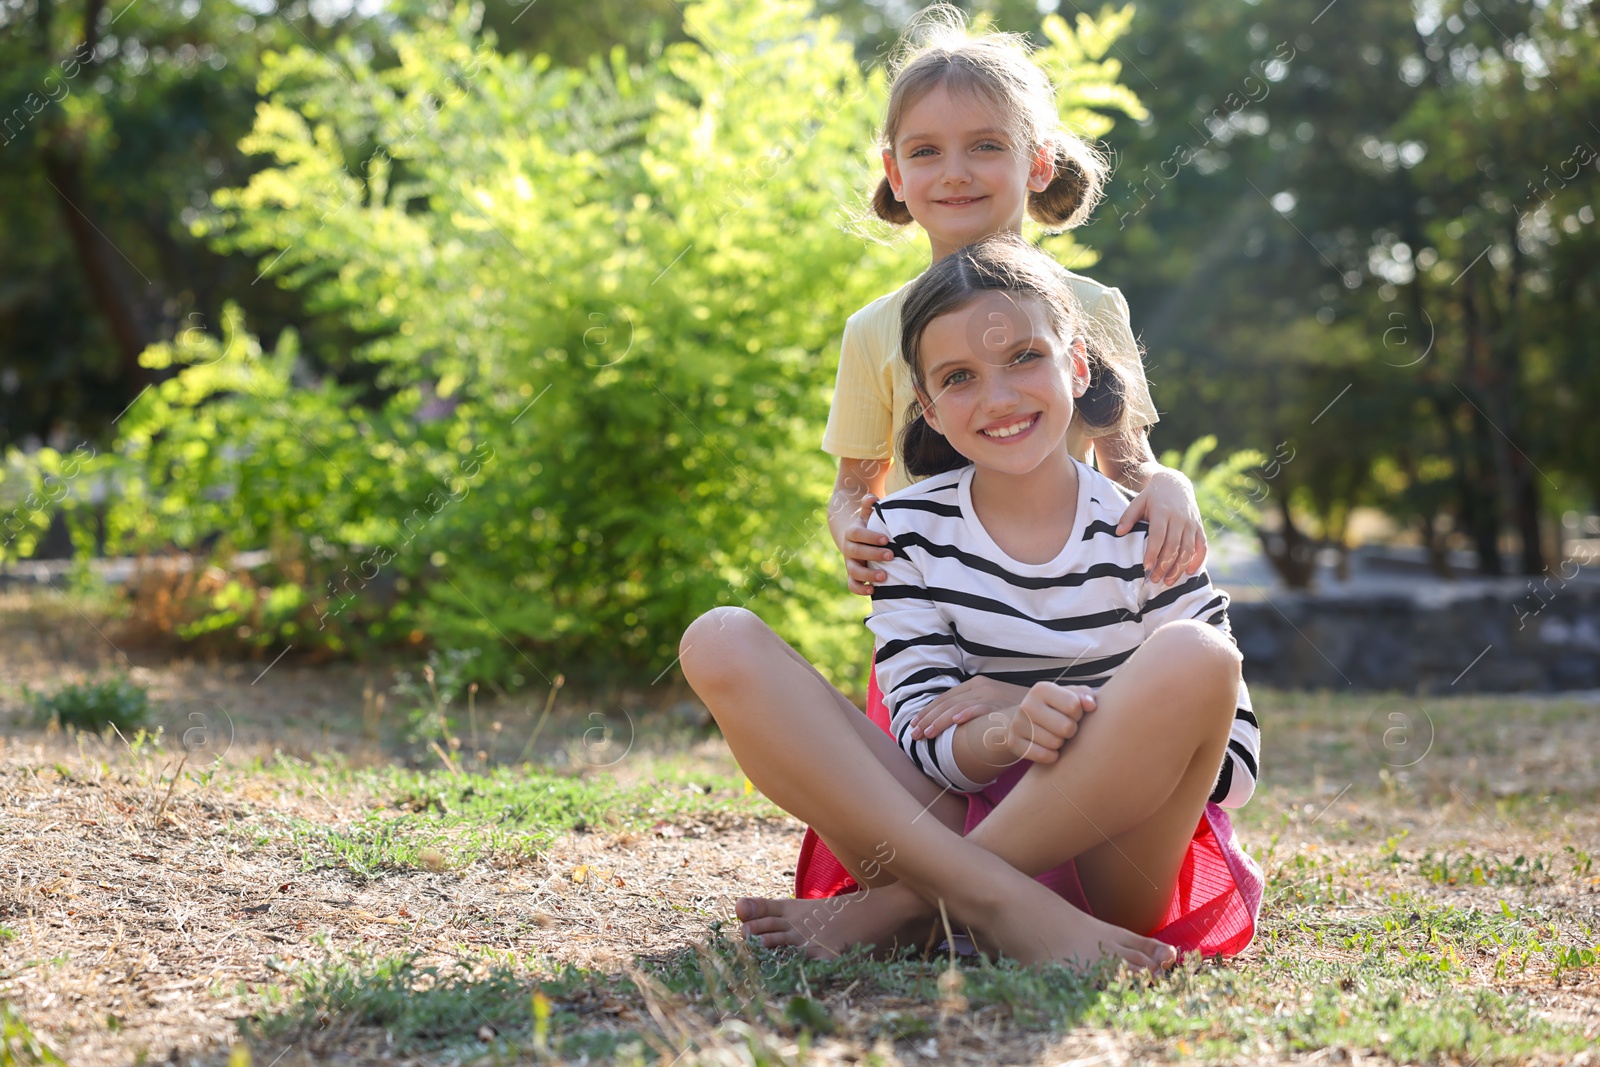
{"points": [[1418, 915], [430, 1009], [1397, 979], [441, 820], [20, 1045], [1364, 943], [93, 706], [1467, 869]]}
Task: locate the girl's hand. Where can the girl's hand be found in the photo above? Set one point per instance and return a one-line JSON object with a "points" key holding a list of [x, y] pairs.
{"points": [[863, 546], [966, 701], [1177, 542], [1046, 719]]}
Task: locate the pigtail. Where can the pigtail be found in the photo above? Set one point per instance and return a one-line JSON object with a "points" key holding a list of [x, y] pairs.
{"points": [[924, 450], [1077, 187], [887, 208], [1105, 400]]}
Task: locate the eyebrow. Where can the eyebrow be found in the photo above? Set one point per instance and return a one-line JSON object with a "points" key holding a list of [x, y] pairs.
{"points": [[987, 131]]}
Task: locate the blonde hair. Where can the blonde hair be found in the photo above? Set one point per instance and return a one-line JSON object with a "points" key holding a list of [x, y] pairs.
{"points": [[937, 50]]}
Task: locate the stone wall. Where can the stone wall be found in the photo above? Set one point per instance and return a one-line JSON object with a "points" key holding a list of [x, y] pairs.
{"points": [[1484, 637]]}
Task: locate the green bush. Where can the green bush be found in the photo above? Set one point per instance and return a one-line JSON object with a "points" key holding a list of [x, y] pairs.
{"points": [[605, 307], [92, 706]]}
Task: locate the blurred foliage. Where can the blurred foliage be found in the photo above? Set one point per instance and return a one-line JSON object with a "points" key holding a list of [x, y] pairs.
{"points": [[92, 706], [605, 307], [116, 123], [1228, 490], [1365, 232], [514, 328]]}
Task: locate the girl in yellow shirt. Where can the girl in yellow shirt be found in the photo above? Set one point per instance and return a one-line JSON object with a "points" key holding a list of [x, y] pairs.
{"points": [[971, 143]]}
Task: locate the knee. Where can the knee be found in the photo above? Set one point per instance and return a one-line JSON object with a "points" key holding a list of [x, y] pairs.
{"points": [[716, 646], [1200, 655]]}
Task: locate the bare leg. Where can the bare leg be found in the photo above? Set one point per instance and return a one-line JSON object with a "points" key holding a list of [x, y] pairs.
{"points": [[825, 927], [1122, 800], [791, 736], [940, 803], [1125, 796]]}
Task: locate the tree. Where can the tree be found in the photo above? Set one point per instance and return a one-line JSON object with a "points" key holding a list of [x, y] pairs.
{"points": [[1292, 239], [605, 308], [116, 125]]}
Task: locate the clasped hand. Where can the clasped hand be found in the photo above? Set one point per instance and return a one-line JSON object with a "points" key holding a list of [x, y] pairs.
{"points": [[1028, 723]]}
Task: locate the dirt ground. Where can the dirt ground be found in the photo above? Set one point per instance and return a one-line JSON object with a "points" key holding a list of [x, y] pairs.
{"points": [[140, 920]]}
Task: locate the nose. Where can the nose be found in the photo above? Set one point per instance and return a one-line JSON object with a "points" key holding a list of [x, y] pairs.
{"points": [[956, 171], [999, 395]]}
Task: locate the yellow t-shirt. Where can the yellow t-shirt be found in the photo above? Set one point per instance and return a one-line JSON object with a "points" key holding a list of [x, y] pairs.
{"points": [[874, 388]]}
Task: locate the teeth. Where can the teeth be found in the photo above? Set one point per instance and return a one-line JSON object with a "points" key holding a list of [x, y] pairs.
{"points": [[1009, 431]]}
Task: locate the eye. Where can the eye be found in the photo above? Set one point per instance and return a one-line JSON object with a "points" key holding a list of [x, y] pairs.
{"points": [[1028, 355], [991, 146], [917, 153], [956, 378]]}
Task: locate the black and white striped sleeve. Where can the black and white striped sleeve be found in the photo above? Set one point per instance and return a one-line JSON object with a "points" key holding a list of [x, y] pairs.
{"points": [[1196, 598], [916, 659]]}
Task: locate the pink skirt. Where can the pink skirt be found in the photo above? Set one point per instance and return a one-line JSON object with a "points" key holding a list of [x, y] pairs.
{"points": [[1214, 904]]}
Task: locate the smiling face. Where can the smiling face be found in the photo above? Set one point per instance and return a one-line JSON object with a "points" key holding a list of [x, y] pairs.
{"points": [[999, 383], [962, 173]]}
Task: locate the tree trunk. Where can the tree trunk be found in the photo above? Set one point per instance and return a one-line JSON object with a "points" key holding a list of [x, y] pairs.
{"points": [[63, 168], [1289, 550], [95, 254], [1433, 543], [1474, 507], [1528, 526]]}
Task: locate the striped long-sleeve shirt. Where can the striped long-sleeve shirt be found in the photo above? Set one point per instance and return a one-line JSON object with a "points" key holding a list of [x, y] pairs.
{"points": [[956, 606]]}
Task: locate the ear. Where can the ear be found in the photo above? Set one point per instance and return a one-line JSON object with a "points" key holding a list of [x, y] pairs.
{"points": [[891, 170], [1078, 366], [930, 413], [1042, 168]]}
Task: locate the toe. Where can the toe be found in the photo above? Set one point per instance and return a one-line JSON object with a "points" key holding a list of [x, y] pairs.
{"points": [[816, 950], [1160, 953], [779, 938], [1134, 957], [766, 926], [747, 908]]}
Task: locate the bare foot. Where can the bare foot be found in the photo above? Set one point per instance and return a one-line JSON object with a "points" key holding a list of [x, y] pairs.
{"points": [[1026, 922], [1034, 926], [888, 917]]}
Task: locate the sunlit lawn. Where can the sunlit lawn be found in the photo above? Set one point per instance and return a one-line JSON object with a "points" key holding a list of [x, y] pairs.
{"points": [[1432, 897]]}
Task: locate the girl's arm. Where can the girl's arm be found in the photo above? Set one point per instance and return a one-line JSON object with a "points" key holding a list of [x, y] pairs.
{"points": [[860, 481], [1177, 542], [917, 660]]}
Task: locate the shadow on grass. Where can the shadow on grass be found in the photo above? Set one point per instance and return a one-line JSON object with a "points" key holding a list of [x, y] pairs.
{"points": [[1397, 980], [722, 994]]}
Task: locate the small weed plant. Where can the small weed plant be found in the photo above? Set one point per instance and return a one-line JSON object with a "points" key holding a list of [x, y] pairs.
{"points": [[92, 706]]}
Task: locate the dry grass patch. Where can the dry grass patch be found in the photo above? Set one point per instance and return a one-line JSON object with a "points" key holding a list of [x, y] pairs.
{"points": [[315, 895]]}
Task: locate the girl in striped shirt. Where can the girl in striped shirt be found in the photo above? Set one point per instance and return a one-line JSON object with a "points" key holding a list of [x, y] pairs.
{"points": [[972, 145], [1083, 821]]}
